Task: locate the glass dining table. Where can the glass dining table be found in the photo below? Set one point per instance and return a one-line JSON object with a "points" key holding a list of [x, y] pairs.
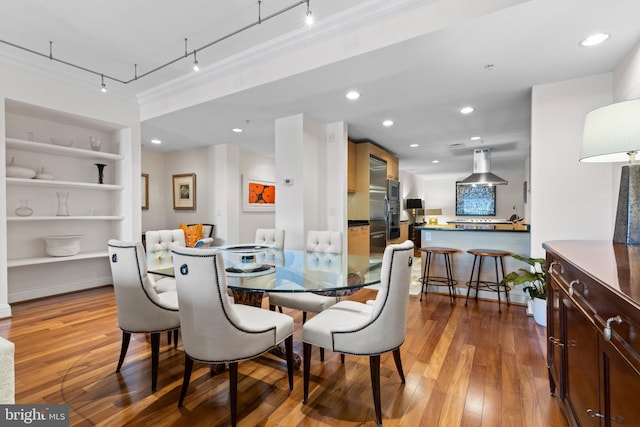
{"points": [[252, 270]]}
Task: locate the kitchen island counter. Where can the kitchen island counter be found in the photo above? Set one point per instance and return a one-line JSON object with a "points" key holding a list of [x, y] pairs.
{"points": [[515, 241]]}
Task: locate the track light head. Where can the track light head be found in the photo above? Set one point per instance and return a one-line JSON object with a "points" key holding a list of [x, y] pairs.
{"points": [[196, 67], [103, 87], [309, 16]]}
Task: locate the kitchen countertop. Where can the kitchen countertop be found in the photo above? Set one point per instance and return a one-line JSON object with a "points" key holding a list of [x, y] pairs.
{"points": [[519, 228]]}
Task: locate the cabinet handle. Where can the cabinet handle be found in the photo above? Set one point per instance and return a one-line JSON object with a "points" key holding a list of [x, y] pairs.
{"points": [[607, 329], [556, 341], [556, 264], [593, 414]]}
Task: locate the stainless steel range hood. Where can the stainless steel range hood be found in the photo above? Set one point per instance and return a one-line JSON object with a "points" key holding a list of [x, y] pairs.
{"points": [[482, 170]]}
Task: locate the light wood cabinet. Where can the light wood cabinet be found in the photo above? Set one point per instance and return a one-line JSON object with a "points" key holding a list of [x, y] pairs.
{"points": [[593, 315], [358, 240], [404, 234], [352, 177]]}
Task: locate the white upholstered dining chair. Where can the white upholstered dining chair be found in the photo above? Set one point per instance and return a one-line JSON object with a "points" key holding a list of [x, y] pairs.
{"points": [[322, 249], [214, 331], [359, 329], [140, 308]]}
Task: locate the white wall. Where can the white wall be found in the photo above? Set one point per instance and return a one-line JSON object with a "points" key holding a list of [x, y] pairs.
{"points": [[219, 170], [569, 199]]}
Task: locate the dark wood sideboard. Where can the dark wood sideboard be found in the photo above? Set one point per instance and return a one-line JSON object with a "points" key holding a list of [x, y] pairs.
{"points": [[593, 325]]}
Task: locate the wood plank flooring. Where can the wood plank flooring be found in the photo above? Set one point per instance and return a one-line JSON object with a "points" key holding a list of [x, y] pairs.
{"points": [[464, 366]]}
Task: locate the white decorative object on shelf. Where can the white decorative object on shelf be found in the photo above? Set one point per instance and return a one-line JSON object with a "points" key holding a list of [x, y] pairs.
{"points": [[24, 209], [44, 175], [63, 142], [15, 171], [63, 208], [67, 245], [95, 143]]}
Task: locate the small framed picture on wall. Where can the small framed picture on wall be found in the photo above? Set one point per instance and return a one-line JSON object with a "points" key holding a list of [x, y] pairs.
{"points": [[184, 191]]}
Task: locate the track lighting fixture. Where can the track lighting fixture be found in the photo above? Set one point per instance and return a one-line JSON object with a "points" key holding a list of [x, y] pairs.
{"points": [[103, 87], [309, 15], [195, 62]]}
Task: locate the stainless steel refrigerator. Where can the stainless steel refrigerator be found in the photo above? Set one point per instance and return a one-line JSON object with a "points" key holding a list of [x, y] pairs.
{"points": [[378, 207]]}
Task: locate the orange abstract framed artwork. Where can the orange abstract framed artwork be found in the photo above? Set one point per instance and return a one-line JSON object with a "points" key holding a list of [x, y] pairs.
{"points": [[258, 195]]}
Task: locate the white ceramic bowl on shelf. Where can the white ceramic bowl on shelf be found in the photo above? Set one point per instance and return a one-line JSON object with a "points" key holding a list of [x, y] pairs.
{"points": [[15, 171], [66, 245]]}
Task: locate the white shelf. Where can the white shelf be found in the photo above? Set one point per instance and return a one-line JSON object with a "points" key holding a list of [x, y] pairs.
{"points": [[41, 147], [66, 184], [66, 218], [50, 259]]}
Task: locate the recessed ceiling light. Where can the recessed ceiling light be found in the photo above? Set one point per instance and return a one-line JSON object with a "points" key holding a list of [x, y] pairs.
{"points": [[237, 130], [387, 123], [594, 39], [435, 161], [466, 110], [353, 95], [414, 145], [475, 138], [156, 141]]}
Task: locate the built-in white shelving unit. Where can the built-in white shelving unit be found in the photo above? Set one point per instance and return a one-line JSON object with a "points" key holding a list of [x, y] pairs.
{"points": [[97, 211]]}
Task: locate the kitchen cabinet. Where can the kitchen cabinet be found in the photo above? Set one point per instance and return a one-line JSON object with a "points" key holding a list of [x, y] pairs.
{"points": [[96, 211], [352, 177], [358, 240], [593, 315], [404, 234]]}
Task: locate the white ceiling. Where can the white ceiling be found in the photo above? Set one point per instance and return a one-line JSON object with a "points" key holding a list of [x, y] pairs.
{"points": [[420, 83]]}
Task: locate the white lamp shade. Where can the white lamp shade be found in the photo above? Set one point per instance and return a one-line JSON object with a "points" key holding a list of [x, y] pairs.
{"points": [[611, 132]]}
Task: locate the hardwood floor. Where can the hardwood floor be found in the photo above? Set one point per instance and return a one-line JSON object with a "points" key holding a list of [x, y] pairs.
{"points": [[464, 366]]}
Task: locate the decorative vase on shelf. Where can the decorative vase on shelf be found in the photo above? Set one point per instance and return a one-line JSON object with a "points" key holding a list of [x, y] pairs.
{"points": [[63, 208], [24, 209], [95, 143], [100, 172]]}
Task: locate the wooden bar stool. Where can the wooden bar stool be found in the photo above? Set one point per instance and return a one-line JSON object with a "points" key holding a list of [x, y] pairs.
{"points": [[479, 255], [428, 279]]}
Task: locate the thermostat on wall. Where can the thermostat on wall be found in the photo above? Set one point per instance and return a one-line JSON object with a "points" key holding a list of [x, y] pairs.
{"points": [[288, 181]]}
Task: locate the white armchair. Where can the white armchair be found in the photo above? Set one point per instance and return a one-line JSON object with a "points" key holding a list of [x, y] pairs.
{"points": [[215, 331], [140, 308], [360, 329]]}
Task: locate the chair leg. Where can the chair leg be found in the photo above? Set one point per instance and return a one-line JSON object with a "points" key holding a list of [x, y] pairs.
{"points": [[175, 338], [233, 391], [374, 367], [304, 317], [342, 358], [473, 267], [288, 346], [396, 358], [272, 307], [321, 354], [169, 337], [155, 355], [495, 261], [306, 356], [126, 337], [188, 366]]}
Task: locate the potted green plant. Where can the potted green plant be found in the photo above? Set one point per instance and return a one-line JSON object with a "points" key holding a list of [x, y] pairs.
{"points": [[534, 279]]}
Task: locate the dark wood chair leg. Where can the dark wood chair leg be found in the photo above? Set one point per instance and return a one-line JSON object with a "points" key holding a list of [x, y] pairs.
{"points": [[188, 366], [288, 346], [470, 284], [321, 354], [233, 391], [342, 358], [374, 367], [155, 355], [280, 309], [272, 307], [396, 358], [126, 337], [304, 317], [175, 338], [169, 337], [306, 356]]}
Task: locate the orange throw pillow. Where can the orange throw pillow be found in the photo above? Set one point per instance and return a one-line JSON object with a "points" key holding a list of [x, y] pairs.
{"points": [[192, 233]]}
